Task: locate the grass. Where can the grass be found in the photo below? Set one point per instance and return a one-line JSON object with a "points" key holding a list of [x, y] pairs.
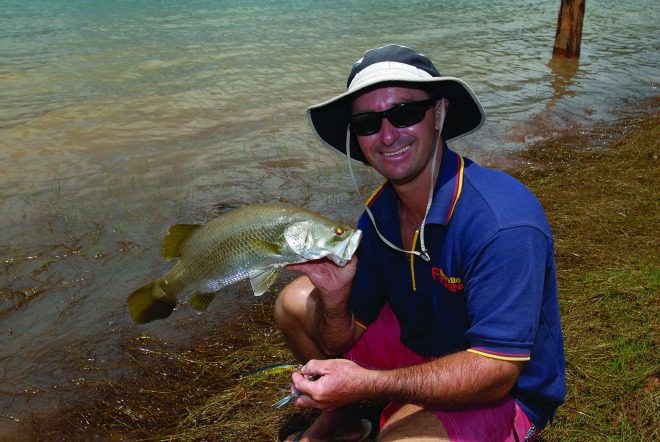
{"points": [[604, 207], [603, 204]]}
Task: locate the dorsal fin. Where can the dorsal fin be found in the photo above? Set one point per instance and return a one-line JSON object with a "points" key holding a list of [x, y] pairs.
{"points": [[175, 237]]}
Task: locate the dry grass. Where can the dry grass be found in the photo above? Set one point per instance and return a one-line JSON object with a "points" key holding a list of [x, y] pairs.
{"points": [[603, 204]]}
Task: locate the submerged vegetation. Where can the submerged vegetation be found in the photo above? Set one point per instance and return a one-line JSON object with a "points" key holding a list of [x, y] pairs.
{"points": [[601, 193]]}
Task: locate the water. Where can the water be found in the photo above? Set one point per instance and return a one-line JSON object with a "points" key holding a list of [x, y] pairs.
{"points": [[118, 118]]}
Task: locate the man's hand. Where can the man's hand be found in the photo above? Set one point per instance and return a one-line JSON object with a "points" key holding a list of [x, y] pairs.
{"points": [[333, 282], [331, 325], [331, 383]]}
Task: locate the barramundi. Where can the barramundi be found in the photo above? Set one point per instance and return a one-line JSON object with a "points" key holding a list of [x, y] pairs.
{"points": [[253, 242]]}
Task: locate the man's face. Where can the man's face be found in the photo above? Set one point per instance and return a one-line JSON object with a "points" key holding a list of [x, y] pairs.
{"points": [[399, 154]]}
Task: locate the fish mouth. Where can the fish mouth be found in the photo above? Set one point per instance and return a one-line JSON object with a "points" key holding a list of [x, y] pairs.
{"points": [[346, 249]]}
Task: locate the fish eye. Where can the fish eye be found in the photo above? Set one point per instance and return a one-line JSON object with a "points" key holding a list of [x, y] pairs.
{"points": [[339, 231]]}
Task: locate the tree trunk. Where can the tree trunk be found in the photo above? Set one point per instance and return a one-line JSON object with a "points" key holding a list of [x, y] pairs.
{"points": [[569, 29]]}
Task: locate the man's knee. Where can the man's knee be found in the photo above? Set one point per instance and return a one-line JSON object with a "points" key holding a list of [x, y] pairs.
{"points": [[294, 313], [293, 302], [411, 422]]}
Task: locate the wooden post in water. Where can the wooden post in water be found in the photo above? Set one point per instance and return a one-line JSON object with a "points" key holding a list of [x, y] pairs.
{"points": [[569, 29]]}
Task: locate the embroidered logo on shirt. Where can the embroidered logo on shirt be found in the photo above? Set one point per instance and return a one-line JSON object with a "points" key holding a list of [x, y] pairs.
{"points": [[452, 283]]}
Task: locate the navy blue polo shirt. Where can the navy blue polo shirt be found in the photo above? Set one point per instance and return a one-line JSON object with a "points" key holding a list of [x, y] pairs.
{"points": [[490, 286]]}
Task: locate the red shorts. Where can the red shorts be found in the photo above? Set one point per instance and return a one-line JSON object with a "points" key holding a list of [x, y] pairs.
{"points": [[379, 347]]}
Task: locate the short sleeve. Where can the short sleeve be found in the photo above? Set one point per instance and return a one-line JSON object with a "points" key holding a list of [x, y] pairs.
{"points": [[505, 285]]}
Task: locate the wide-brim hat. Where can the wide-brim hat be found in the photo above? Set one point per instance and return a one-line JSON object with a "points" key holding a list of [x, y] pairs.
{"points": [[396, 65]]}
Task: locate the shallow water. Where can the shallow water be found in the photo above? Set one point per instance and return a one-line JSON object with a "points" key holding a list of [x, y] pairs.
{"points": [[120, 118]]}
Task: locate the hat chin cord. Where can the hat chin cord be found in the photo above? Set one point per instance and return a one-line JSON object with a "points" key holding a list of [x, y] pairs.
{"points": [[424, 251]]}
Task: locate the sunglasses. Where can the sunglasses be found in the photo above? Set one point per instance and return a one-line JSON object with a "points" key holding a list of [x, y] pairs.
{"points": [[401, 115]]}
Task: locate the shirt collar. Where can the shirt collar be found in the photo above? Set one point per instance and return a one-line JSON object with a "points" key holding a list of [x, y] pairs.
{"points": [[448, 187], [447, 192]]}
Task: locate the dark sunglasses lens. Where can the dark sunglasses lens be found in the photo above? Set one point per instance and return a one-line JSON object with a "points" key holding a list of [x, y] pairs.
{"points": [[407, 114], [402, 115], [366, 124]]}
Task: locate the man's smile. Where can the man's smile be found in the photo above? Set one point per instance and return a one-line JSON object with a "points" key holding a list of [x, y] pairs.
{"points": [[401, 151]]}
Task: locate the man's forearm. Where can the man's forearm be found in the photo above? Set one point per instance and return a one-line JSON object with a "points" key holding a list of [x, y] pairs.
{"points": [[454, 381], [334, 328]]}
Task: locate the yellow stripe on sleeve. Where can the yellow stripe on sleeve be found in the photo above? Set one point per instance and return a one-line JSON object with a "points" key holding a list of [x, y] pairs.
{"points": [[499, 357]]}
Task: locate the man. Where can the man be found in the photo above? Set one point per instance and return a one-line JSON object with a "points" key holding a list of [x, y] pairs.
{"points": [[450, 309]]}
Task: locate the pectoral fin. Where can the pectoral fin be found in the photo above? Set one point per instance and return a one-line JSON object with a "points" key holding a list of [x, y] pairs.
{"points": [[262, 279], [174, 239]]}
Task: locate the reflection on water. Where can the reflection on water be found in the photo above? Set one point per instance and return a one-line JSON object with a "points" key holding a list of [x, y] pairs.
{"points": [[121, 118], [563, 71]]}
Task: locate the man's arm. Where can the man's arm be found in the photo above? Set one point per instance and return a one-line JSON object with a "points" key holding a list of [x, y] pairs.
{"points": [[457, 380], [332, 327], [454, 381]]}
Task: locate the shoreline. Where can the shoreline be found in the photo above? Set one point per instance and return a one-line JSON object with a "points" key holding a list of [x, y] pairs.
{"points": [[591, 196]]}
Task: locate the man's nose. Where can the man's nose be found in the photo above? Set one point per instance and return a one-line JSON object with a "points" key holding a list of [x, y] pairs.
{"points": [[388, 132]]}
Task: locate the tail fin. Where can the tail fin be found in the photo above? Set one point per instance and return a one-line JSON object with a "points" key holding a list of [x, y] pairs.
{"points": [[145, 307]]}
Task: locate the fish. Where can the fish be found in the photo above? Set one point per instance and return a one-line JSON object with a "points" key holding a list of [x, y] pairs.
{"points": [[253, 242], [284, 367]]}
